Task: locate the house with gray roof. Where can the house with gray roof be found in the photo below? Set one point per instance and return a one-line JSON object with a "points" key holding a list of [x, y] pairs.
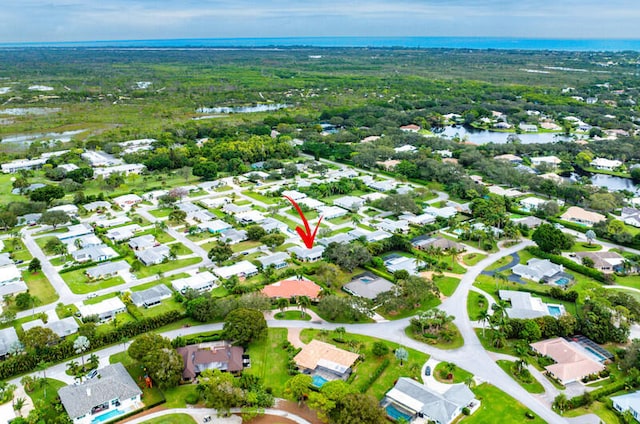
{"points": [[525, 306], [100, 204], [143, 242], [307, 255], [409, 399], [103, 398], [349, 202], [107, 270], [234, 236], [151, 296], [271, 225], [630, 216], [278, 260], [98, 253], [215, 226], [62, 328], [368, 285], [153, 256], [370, 236], [8, 338], [123, 233], [540, 270], [338, 238], [628, 402]]}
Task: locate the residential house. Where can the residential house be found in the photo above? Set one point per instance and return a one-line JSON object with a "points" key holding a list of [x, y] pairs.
{"points": [[572, 361], [22, 164], [528, 127], [201, 282], [155, 195], [509, 158], [271, 225], [370, 236], [87, 240], [108, 270], [368, 285], [418, 220], [606, 164], [530, 204], [294, 195], [338, 238], [62, 328], [311, 203], [215, 202], [242, 269], [394, 227], [524, 306], [74, 231], [152, 296], [425, 242], [234, 236], [291, 288], [607, 262], [548, 160], [541, 270], [411, 400], [99, 400], [630, 216], [529, 221], [396, 262], [215, 226], [8, 340], [127, 201], [188, 207], [384, 185], [444, 153], [325, 361], [276, 260], [94, 206], [200, 216], [143, 242], [446, 212], [29, 218], [627, 402], [9, 272], [581, 216], [211, 356], [410, 128], [153, 256], [100, 159], [104, 222], [71, 210], [250, 217], [350, 203], [122, 233], [126, 169], [504, 192], [332, 212], [104, 310], [307, 255], [98, 253], [233, 209]]}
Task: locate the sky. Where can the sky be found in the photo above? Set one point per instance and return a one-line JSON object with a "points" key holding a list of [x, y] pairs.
{"points": [[89, 20]]}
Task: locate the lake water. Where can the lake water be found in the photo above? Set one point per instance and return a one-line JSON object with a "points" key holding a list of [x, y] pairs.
{"points": [[484, 136], [21, 111], [607, 181], [52, 136], [242, 109]]}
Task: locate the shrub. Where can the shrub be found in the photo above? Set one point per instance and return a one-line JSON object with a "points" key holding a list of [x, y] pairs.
{"points": [[466, 411], [192, 398], [380, 349]]}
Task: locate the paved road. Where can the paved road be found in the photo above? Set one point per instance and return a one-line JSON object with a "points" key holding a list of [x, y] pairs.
{"points": [[199, 413]]}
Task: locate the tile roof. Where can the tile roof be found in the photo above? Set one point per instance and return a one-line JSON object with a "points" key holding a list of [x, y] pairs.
{"points": [[291, 288], [316, 351]]}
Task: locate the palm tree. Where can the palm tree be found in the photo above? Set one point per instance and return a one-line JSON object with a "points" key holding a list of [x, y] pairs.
{"points": [[28, 382], [94, 361], [18, 404], [484, 317], [340, 331], [72, 367], [355, 219], [282, 304], [304, 302], [500, 277], [80, 345], [450, 368], [42, 366]]}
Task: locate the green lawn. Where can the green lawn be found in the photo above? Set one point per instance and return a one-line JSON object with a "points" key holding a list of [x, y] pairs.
{"points": [[161, 213], [532, 387], [172, 419], [498, 407], [40, 287], [269, 360], [458, 374], [52, 388], [17, 250], [471, 259], [293, 316], [600, 409], [261, 198], [182, 249], [411, 368], [167, 266], [446, 285], [41, 242], [79, 283], [161, 236], [245, 245], [165, 306], [99, 299], [500, 262], [476, 303], [176, 396], [585, 247]]}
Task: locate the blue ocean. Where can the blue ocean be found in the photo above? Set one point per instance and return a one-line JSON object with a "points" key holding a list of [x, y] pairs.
{"points": [[373, 42]]}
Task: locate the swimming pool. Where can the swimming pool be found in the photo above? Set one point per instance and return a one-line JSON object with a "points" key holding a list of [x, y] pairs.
{"points": [[106, 417], [595, 353], [318, 381], [562, 281], [395, 414], [554, 310]]}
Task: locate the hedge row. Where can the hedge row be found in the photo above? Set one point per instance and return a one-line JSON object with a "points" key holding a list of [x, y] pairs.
{"points": [[20, 364], [582, 400], [568, 263], [374, 376]]}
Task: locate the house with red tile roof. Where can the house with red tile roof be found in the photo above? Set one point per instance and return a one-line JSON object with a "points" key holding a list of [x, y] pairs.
{"points": [[292, 288]]}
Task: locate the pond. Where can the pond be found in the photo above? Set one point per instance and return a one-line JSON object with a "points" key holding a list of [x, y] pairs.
{"points": [[21, 111], [242, 109], [607, 181], [485, 136], [53, 136]]}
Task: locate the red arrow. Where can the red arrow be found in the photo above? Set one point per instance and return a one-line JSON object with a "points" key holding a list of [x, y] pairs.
{"points": [[306, 235]]}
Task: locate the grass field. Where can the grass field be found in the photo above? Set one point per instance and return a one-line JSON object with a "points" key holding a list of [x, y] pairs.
{"points": [[17, 250], [269, 360], [471, 259], [533, 387], [40, 287], [79, 283], [172, 419], [498, 407], [167, 266], [446, 285], [476, 303], [458, 374], [293, 316]]}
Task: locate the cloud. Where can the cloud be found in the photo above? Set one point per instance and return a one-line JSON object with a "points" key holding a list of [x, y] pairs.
{"points": [[67, 20]]}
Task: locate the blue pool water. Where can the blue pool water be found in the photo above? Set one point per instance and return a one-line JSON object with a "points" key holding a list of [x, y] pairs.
{"points": [[318, 381], [395, 414], [555, 311], [595, 353], [562, 281], [106, 417]]}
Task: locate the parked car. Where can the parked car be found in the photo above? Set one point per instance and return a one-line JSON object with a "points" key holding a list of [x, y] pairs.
{"points": [[92, 374], [427, 371]]}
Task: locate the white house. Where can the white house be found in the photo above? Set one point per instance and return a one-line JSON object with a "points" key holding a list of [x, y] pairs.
{"points": [[307, 255], [606, 164], [331, 212], [549, 160], [22, 164], [104, 310], [154, 255], [400, 226], [201, 282], [215, 226], [628, 402], [243, 269], [349, 202], [71, 210], [102, 399], [630, 216], [127, 201], [126, 168]]}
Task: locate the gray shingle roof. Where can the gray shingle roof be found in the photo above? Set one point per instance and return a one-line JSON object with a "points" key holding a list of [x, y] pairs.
{"points": [[151, 295], [8, 337], [114, 383]]}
